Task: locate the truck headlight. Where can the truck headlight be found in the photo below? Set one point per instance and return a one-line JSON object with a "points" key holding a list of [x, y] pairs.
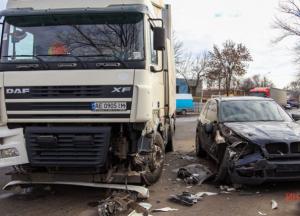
{"points": [[10, 152]]}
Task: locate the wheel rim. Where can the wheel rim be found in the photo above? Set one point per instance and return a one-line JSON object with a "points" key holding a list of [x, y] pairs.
{"points": [[157, 158]]}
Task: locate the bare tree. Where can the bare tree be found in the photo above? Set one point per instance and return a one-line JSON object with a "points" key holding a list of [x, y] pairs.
{"points": [[229, 62], [288, 23], [193, 69]]}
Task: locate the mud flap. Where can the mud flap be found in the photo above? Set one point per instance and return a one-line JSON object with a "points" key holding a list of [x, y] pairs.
{"points": [[12, 147]]}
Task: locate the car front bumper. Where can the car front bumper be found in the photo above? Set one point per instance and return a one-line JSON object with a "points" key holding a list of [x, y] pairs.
{"points": [[264, 170]]}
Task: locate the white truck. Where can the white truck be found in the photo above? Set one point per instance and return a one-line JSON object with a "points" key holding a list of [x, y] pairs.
{"points": [[87, 90]]}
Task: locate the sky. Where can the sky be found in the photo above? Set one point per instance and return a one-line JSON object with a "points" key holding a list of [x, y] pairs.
{"points": [[202, 23]]}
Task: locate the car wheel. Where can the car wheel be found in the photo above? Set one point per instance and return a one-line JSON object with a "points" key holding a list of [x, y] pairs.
{"points": [[200, 152], [222, 174], [156, 162]]}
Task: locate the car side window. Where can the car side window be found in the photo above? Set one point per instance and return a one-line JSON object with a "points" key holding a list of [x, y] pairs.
{"points": [[212, 112]]}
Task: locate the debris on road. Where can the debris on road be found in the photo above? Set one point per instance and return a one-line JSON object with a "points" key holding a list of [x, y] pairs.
{"points": [[189, 158], [186, 198], [202, 194], [262, 213], [189, 199], [194, 174], [166, 209], [227, 188], [274, 204], [120, 203]]}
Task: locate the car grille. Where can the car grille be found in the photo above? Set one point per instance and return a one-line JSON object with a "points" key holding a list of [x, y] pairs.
{"points": [[277, 148], [295, 147], [67, 146]]}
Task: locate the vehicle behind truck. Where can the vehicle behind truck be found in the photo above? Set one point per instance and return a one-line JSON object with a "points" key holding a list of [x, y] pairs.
{"points": [[279, 95], [87, 90]]}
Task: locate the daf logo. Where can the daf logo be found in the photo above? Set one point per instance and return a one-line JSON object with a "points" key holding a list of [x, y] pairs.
{"points": [[17, 90], [121, 89]]}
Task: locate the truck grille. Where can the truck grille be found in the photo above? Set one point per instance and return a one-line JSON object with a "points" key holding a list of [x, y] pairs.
{"points": [[67, 146], [88, 91]]}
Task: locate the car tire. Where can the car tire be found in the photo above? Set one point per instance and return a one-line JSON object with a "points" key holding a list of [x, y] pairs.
{"points": [[155, 167], [200, 152], [222, 175]]}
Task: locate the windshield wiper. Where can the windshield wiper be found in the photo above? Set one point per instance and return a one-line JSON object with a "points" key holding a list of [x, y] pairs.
{"points": [[45, 64], [106, 55]]}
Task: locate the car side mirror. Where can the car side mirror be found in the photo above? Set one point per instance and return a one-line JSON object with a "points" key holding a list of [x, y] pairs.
{"points": [[296, 117], [208, 128], [159, 38]]}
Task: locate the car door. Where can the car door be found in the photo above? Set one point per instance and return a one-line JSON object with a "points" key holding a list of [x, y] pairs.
{"points": [[211, 117]]}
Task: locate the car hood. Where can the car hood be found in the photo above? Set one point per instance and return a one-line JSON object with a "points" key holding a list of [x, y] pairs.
{"points": [[266, 132]]}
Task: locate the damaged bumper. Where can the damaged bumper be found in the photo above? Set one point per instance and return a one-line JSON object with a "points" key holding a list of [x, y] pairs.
{"points": [[255, 169], [12, 147]]}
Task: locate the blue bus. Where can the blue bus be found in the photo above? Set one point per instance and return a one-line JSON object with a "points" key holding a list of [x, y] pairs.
{"points": [[184, 103]]}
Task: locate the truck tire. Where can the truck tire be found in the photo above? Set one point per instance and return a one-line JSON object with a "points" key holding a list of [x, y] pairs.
{"points": [[200, 152], [155, 167], [170, 143]]}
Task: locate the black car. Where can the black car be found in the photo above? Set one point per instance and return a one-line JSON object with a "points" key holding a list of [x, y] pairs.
{"points": [[252, 139]]}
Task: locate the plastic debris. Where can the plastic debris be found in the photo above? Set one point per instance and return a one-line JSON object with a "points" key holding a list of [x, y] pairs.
{"points": [[186, 198], [189, 158], [194, 174], [145, 205], [227, 188], [202, 194], [166, 209], [274, 204], [262, 213]]}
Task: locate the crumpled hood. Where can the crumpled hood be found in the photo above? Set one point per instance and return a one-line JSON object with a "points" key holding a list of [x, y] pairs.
{"points": [[266, 132]]}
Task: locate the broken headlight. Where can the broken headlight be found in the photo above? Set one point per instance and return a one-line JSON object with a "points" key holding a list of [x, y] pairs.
{"points": [[7, 153]]}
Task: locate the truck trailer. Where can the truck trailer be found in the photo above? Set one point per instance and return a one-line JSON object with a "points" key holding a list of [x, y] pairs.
{"points": [[87, 90], [279, 95]]}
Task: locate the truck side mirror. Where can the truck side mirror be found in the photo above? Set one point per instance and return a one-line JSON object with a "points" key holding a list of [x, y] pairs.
{"points": [[159, 42]]}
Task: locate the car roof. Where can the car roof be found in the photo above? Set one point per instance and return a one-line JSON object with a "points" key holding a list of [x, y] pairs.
{"points": [[243, 98]]}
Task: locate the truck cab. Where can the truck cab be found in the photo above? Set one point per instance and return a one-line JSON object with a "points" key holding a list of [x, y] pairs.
{"points": [[87, 89]]}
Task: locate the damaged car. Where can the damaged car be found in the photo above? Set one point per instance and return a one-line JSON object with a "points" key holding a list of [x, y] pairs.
{"points": [[253, 140]]}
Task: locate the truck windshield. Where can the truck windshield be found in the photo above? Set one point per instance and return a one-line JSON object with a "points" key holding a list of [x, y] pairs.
{"points": [[90, 37], [252, 111]]}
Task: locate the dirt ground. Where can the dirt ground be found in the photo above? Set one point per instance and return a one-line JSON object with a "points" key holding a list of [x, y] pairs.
{"points": [[76, 201]]}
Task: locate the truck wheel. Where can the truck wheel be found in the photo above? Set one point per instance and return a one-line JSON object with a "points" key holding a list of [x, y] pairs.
{"points": [[170, 144], [184, 112], [200, 152], [156, 163], [223, 175]]}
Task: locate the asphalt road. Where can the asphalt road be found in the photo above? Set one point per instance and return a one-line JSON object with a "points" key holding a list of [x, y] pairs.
{"points": [[75, 201]]}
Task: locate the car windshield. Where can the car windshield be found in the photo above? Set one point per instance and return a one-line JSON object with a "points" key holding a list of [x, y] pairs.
{"points": [[65, 37], [251, 111]]}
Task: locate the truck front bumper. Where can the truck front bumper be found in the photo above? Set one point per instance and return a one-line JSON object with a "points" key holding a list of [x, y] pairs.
{"points": [[12, 147]]}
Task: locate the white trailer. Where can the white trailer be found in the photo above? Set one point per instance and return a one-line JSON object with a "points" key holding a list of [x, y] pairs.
{"points": [[87, 90]]}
